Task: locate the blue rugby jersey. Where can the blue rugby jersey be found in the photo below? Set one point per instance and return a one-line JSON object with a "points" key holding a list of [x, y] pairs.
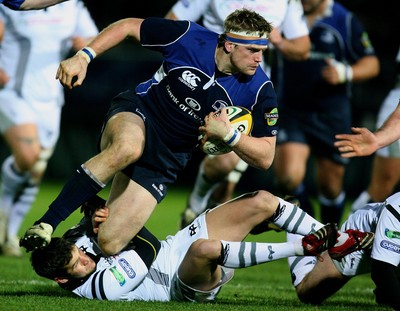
{"points": [[188, 85], [339, 36]]}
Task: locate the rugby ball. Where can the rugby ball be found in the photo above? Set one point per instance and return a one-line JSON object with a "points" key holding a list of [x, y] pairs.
{"points": [[241, 119]]}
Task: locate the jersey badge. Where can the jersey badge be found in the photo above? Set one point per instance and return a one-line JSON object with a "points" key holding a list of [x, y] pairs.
{"points": [[127, 268], [118, 276], [271, 117], [392, 234]]}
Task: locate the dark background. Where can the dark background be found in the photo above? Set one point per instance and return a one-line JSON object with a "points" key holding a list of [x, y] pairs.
{"points": [[128, 64]]}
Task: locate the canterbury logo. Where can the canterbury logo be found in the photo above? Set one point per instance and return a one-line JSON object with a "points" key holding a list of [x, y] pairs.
{"points": [[190, 79]]}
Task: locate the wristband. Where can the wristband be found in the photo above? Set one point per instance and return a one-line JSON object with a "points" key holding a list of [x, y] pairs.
{"points": [[88, 53], [345, 72], [232, 138]]}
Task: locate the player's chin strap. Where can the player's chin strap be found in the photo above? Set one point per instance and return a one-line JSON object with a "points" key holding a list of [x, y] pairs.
{"points": [[146, 246]]}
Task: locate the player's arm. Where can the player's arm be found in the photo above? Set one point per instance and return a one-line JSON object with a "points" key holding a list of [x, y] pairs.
{"points": [[296, 43], [387, 284], [188, 10], [294, 49], [76, 66], [112, 283], [363, 142], [38, 4]]}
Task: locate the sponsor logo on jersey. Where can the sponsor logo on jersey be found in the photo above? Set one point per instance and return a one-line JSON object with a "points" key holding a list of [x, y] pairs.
{"points": [[172, 96], [127, 268], [390, 246], [118, 276], [189, 79], [189, 106], [392, 234], [192, 103], [271, 117]]}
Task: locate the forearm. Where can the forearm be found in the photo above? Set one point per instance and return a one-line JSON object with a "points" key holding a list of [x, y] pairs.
{"points": [[389, 132], [257, 152], [38, 4], [295, 49], [115, 33], [366, 68]]}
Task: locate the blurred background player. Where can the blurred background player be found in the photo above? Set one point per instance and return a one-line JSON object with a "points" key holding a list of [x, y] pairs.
{"points": [[316, 105], [315, 110], [385, 174], [289, 37], [31, 99]]}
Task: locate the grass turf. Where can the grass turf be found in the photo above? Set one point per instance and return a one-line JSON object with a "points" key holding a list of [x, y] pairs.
{"points": [[263, 287]]}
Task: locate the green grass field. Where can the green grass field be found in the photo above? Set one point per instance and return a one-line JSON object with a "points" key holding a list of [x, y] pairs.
{"points": [[264, 287]]}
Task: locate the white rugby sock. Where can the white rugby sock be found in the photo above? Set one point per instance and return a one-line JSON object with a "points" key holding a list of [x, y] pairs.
{"points": [[201, 192], [362, 200], [20, 208], [12, 183], [294, 220], [246, 254], [299, 266]]}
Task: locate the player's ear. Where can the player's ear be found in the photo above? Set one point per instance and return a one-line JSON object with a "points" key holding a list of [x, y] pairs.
{"points": [[61, 280], [228, 46]]}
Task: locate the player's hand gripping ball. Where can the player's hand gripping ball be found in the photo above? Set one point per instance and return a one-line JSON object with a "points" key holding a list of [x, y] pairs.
{"points": [[240, 119]]}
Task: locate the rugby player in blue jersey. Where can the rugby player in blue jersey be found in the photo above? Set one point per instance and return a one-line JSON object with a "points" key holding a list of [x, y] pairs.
{"points": [[316, 105], [150, 132]]}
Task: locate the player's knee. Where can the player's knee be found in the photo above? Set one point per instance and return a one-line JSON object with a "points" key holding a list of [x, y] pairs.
{"points": [[205, 249], [306, 296], [27, 161], [287, 184], [108, 247], [265, 203], [121, 155]]}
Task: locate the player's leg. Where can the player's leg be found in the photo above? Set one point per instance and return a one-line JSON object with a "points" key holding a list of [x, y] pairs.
{"points": [[19, 181], [122, 143], [130, 206], [234, 219], [226, 189], [212, 170], [384, 179], [290, 167], [315, 280], [332, 197]]}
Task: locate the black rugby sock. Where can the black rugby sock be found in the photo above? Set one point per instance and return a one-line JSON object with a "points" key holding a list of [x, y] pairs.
{"points": [[78, 189]]}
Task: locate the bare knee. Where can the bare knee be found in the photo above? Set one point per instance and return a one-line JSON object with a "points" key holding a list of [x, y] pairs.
{"points": [[109, 247], [205, 249], [266, 203], [119, 155], [25, 162]]}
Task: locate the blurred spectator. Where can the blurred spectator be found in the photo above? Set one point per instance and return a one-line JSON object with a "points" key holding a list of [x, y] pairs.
{"points": [[31, 99]]}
